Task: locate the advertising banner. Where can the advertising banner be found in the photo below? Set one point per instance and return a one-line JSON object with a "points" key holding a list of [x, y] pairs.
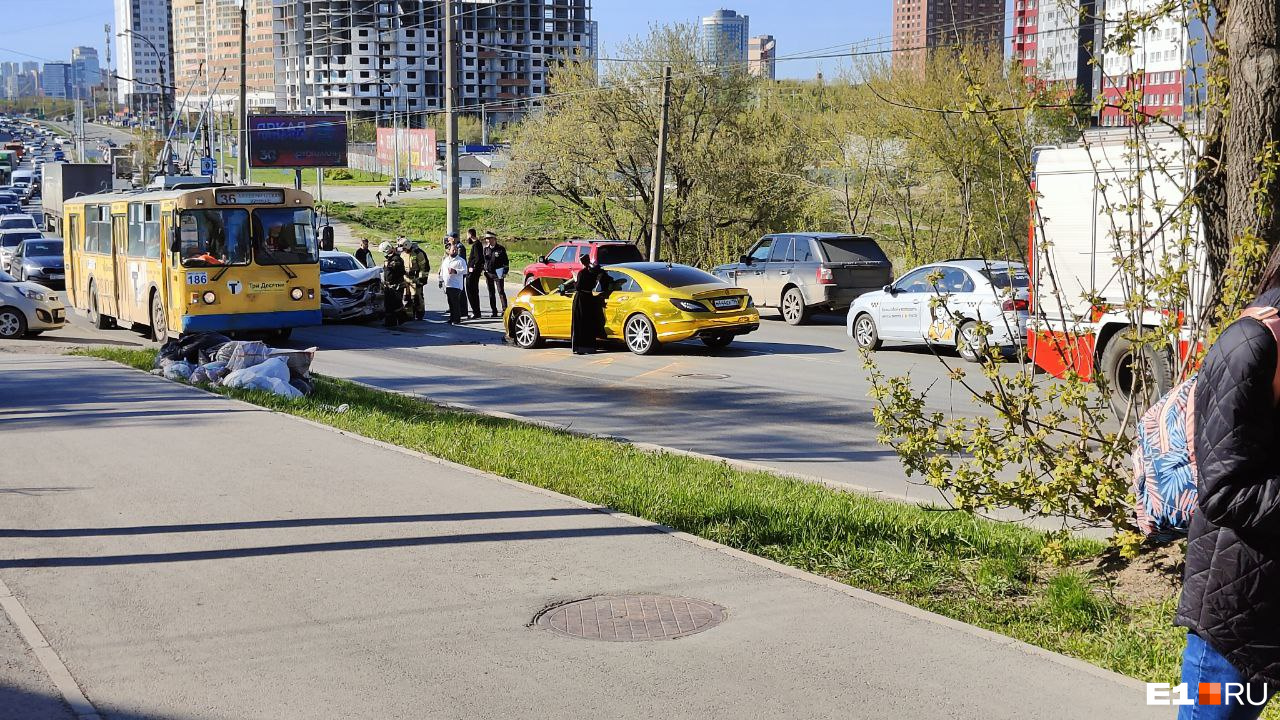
{"points": [[417, 149], [297, 141]]}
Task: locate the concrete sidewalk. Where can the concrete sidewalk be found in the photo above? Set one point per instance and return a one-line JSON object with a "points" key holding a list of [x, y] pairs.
{"points": [[189, 556]]}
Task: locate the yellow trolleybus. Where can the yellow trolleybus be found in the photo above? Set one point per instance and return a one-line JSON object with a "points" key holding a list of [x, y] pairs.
{"points": [[199, 259]]}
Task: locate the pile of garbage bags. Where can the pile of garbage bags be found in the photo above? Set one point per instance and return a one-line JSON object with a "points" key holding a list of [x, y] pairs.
{"points": [[214, 359]]}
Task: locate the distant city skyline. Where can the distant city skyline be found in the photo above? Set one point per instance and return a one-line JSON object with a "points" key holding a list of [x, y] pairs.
{"points": [[818, 25]]}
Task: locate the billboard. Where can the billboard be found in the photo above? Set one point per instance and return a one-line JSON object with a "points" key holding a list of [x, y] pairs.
{"points": [[417, 149], [297, 141]]}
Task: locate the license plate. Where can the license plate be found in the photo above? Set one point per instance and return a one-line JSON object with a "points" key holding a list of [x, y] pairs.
{"points": [[55, 276], [726, 302]]}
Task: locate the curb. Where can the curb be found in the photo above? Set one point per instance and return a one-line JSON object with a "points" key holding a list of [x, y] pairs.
{"points": [[785, 570], [744, 465]]}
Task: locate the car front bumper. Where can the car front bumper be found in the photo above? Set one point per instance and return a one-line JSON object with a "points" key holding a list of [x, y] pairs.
{"points": [[351, 308], [46, 315]]}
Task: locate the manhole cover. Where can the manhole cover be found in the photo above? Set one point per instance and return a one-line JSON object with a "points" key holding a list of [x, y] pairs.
{"points": [[631, 618], [702, 376]]}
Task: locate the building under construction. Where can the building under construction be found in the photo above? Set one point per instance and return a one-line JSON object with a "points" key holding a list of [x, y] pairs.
{"points": [[381, 56]]}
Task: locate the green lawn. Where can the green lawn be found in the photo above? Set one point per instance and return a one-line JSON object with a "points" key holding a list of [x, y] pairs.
{"points": [[523, 224], [985, 573], [528, 228], [344, 176]]}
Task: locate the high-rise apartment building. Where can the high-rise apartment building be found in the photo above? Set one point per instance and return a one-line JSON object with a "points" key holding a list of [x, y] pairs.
{"points": [[379, 57], [144, 60], [1061, 43], [762, 54], [206, 52], [1054, 41], [85, 71], [921, 25], [56, 80], [724, 38]]}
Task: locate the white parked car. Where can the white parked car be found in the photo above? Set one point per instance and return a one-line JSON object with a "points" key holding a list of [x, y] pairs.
{"points": [[28, 309], [974, 291], [10, 239]]}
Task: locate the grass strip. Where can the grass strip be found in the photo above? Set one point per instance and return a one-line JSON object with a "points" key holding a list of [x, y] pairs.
{"points": [[981, 572]]}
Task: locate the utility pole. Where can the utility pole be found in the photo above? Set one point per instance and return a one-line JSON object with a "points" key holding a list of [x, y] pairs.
{"points": [[451, 119], [484, 124], [244, 95], [660, 172], [395, 144]]}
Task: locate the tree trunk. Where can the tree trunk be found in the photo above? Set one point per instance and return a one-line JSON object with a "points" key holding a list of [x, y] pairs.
{"points": [[1240, 133]]}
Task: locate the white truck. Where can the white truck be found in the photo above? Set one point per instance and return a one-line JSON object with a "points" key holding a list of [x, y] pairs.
{"points": [[1111, 229]]}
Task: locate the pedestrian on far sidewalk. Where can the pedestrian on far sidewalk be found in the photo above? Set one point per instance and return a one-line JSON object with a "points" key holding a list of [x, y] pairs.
{"points": [[495, 264], [1231, 583], [475, 268], [378, 199], [453, 278]]}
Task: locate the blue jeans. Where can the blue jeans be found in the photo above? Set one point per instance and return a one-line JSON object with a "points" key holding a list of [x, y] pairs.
{"points": [[1201, 663]]}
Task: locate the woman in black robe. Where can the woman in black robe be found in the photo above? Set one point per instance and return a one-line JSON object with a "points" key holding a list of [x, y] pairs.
{"points": [[587, 321]]}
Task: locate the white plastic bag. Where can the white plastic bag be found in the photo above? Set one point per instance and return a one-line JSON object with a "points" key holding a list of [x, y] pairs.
{"points": [[247, 354], [299, 360], [257, 377], [178, 370]]}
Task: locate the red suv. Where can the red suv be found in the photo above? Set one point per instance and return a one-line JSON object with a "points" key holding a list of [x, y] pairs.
{"points": [[563, 260]]}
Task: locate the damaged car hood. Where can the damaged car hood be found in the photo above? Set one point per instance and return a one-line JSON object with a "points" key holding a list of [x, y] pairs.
{"points": [[347, 278]]}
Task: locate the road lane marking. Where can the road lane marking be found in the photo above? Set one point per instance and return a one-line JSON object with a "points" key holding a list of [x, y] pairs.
{"points": [[653, 372], [48, 657]]}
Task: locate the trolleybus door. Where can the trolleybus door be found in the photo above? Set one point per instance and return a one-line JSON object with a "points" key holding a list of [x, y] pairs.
{"points": [[120, 263], [75, 289]]}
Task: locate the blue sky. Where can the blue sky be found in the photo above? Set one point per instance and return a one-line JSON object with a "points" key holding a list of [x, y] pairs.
{"points": [[800, 26], [47, 29]]}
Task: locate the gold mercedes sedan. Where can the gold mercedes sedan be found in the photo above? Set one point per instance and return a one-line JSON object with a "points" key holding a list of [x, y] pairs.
{"points": [[646, 305]]}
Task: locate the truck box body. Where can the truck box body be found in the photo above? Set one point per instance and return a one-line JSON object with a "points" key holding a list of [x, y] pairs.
{"points": [[1111, 218], [63, 181]]}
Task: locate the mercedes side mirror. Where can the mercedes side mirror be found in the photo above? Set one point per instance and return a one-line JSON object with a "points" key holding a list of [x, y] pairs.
{"points": [[745, 259], [890, 289], [542, 259]]}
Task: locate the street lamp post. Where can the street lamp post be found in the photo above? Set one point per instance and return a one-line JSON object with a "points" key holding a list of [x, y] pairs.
{"points": [[164, 88], [395, 137]]}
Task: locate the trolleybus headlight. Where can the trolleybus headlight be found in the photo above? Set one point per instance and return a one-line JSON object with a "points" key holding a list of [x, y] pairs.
{"points": [[296, 293], [209, 297]]}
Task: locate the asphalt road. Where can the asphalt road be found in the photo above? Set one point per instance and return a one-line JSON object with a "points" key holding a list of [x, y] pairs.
{"points": [[791, 398], [93, 135], [188, 557], [794, 399]]}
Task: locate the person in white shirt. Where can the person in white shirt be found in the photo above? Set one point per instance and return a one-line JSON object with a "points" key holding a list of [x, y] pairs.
{"points": [[453, 278]]}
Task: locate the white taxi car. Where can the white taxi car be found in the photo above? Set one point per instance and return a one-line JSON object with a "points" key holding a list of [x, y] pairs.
{"points": [[943, 304]]}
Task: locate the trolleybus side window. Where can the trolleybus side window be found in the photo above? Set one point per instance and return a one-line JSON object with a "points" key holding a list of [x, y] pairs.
{"points": [[210, 238], [135, 230], [151, 230], [284, 236], [98, 233]]}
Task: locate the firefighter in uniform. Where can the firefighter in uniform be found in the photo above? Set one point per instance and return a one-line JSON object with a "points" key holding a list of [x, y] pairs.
{"points": [[392, 285], [417, 273]]}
